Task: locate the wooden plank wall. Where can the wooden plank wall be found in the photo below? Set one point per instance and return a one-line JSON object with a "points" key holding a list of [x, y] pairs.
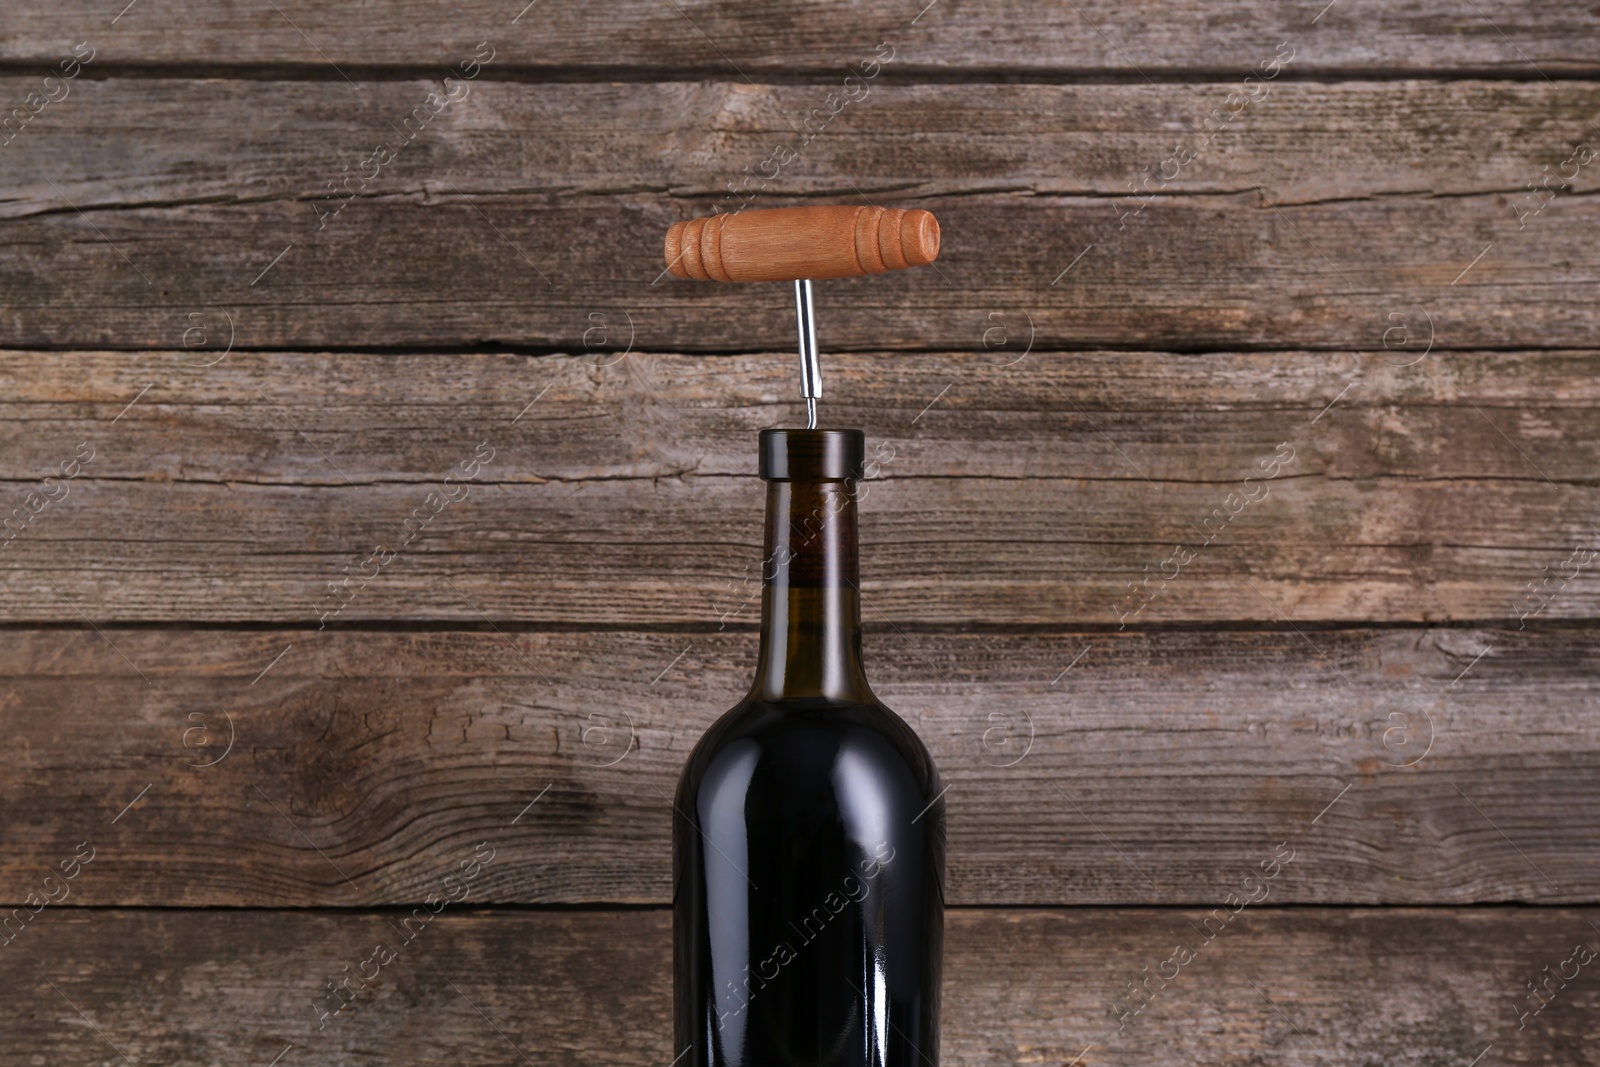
{"points": [[240, 352]]}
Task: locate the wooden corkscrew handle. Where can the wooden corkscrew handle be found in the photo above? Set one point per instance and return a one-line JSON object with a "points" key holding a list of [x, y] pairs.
{"points": [[791, 243]]}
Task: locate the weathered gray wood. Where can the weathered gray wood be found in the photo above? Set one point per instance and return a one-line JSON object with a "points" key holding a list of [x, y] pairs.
{"points": [[1025, 494], [1083, 767], [1012, 39], [1304, 988], [1312, 219], [119, 143], [1003, 412], [1191, 271], [1158, 768]]}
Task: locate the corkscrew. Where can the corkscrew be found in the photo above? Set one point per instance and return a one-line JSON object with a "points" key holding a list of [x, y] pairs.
{"points": [[802, 244]]}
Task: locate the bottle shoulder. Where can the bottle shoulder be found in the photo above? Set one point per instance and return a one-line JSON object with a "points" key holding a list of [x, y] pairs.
{"points": [[814, 743], [775, 722]]}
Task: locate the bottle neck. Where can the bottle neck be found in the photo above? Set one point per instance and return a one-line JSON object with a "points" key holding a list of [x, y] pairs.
{"points": [[810, 600]]}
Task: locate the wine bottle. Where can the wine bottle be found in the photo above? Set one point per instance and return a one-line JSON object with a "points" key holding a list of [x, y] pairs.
{"points": [[808, 903], [808, 838]]}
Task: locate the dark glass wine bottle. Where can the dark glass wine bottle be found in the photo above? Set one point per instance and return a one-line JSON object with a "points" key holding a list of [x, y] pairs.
{"points": [[809, 837]]}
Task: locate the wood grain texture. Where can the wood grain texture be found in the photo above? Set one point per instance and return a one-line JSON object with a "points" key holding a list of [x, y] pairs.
{"points": [[1310, 219], [534, 664], [620, 491], [125, 142], [1198, 272], [1009, 39], [1302, 987], [1403, 766]]}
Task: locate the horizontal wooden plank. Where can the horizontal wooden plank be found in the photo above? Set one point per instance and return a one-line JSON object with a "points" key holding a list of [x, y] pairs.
{"points": [[119, 143], [1202, 271], [1404, 766], [621, 491], [1321, 216], [1013, 39], [1296, 987]]}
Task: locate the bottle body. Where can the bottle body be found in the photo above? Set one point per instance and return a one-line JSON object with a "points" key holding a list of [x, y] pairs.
{"points": [[809, 831]]}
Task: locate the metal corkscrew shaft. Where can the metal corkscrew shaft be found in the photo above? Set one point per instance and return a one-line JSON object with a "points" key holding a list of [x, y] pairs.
{"points": [[800, 244], [810, 368]]}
